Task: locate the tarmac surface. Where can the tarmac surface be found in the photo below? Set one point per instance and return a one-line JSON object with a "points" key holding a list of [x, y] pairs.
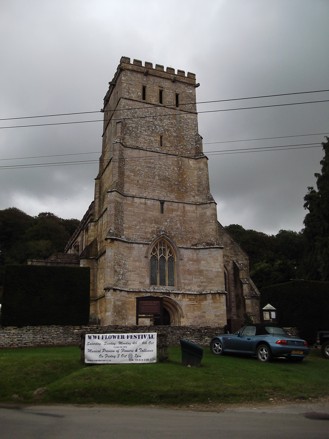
{"points": [[303, 420]]}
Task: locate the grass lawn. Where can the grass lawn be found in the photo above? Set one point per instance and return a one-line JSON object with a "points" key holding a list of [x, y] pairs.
{"points": [[56, 375]]}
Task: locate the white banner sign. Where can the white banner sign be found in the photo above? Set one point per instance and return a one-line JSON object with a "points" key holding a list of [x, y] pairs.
{"points": [[121, 348]]}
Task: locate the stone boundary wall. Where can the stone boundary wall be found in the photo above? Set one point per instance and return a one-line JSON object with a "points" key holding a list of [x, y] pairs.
{"points": [[37, 336]]}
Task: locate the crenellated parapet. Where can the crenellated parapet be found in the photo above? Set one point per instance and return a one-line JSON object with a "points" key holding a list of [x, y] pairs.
{"points": [[157, 67], [148, 68]]}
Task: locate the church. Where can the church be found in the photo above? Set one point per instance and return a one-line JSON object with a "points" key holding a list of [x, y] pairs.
{"points": [[156, 251]]}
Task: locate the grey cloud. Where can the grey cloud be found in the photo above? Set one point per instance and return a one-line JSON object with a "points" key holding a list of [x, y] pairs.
{"points": [[59, 57]]}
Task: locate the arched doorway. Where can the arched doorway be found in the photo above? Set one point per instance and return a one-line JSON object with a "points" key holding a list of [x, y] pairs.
{"points": [[160, 310], [174, 310]]}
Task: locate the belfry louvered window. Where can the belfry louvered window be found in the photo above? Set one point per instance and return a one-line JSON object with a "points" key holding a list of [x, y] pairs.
{"points": [[162, 264]]}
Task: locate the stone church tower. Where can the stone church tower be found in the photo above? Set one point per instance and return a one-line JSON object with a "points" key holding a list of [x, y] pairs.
{"points": [[151, 238]]}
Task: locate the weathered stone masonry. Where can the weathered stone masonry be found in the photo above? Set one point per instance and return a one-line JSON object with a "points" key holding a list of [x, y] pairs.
{"points": [[41, 336], [152, 230]]}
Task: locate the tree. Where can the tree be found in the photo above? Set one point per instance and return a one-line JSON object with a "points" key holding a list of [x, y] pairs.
{"points": [[273, 259], [316, 231], [48, 227], [24, 237], [13, 224], [257, 245]]}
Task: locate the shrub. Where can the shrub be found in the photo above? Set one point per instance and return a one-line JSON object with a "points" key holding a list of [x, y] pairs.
{"points": [[303, 304], [43, 295]]}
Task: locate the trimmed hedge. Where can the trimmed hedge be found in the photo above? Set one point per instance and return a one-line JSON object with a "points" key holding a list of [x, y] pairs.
{"points": [[43, 295], [303, 304]]}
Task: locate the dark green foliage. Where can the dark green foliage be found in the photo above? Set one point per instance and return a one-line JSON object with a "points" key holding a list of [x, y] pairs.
{"points": [[302, 304], [13, 224], [257, 245], [70, 225], [316, 232], [24, 237], [273, 259], [41, 295]]}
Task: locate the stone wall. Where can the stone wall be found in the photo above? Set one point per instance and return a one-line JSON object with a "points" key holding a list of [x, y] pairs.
{"points": [[37, 336]]}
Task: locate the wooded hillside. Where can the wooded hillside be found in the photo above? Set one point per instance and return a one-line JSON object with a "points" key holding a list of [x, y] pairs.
{"points": [[24, 237]]}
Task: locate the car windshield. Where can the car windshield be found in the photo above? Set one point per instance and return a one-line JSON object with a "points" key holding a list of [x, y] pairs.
{"points": [[273, 330]]}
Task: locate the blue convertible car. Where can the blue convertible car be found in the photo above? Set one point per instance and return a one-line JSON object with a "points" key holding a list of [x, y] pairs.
{"points": [[264, 341]]}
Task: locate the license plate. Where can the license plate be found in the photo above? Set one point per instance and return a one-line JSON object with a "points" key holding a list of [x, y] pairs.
{"points": [[297, 352]]}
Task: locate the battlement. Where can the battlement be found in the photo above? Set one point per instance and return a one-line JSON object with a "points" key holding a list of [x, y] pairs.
{"points": [[157, 70], [160, 68]]}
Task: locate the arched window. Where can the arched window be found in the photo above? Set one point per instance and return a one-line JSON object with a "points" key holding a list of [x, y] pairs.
{"points": [[162, 264]]}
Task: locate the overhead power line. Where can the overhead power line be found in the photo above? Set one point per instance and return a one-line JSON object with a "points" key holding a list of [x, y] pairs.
{"points": [[182, 104], [51, 155], [166, 115], [265, 138], [264, 148], [49, 164], [256, 107], [51, 124], [273, 148], [264, 96], [76, 113], [204, 143]]}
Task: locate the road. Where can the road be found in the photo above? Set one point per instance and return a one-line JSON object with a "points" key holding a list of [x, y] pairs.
{"points": [[96, 422]]}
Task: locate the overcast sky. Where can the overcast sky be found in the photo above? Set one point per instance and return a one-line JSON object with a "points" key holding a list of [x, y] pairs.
{"points": [[57, 56]]}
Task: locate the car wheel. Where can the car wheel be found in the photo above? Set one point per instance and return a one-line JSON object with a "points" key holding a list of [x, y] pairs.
{"points": [[216, 347], [325, 350], [264, 353]]}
